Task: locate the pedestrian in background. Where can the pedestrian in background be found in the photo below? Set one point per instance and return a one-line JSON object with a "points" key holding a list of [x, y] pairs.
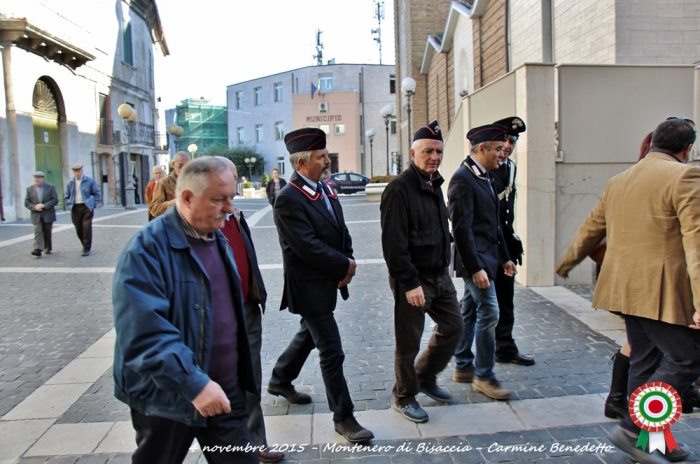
{"points": [[41, 200], [164, 195], [151, 187], [416, 247], [81, 198], [274, 186]]}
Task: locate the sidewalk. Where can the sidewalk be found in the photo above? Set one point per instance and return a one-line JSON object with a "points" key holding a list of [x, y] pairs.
{"points": [[56, 391]]}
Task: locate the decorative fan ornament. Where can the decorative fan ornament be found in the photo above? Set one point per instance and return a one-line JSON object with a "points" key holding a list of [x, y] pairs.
{"points": [[654, 407], [43, 99]]}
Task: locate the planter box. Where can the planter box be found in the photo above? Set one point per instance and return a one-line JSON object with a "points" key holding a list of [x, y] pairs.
{"points": [[249, 193], [374, 191]]}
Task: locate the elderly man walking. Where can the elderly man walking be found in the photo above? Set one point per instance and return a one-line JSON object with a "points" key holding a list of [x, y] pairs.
{"points": [[650, 215], [164, 194], [81, 198], [181, 359], [158, 174], [41, 200]]}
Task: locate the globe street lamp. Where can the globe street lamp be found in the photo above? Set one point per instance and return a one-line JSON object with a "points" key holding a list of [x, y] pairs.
{"points": [[370, 133], [408, 85], [192, 148], [250, 162], [387, 113], [128, 114], [176, 131]]}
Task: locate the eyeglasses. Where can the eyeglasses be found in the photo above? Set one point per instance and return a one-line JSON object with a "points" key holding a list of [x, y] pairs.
{"points": [[689, 121]]}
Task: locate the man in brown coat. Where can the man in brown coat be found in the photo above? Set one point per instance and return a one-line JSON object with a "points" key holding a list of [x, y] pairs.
{"points": [[650, 215], [164, 195]]}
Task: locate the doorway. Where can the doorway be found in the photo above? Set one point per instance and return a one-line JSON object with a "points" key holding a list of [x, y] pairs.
{"points": [[334, 162], [47, 140]]}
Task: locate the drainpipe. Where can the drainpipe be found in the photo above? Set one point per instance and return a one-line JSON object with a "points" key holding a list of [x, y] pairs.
{"points": [[11, 125]]}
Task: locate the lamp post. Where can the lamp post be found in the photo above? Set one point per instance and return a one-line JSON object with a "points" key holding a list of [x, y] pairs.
{"points": [[370, 133], [408, 85], [387, 113], [192, 148], [250, 162], [128, 114], [176, 131]]}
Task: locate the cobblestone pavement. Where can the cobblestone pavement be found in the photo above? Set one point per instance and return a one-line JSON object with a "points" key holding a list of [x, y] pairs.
{"points": [[48, 317]]}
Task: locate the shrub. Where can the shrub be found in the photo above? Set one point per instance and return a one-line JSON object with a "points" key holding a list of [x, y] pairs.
{"points": [[248, 185], [265, 179], [381, 179]]}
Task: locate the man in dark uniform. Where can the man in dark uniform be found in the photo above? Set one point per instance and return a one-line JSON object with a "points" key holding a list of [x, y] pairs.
{"points": [[317, 256], [504, 186], [479, 241], [416, 246]]}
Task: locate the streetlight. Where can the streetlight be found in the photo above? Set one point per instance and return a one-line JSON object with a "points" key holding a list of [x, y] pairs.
{"points": [[387, 113], [250, 162], [192, 148], [370, 133], [408, 85], [128, 114], [176, 131]]}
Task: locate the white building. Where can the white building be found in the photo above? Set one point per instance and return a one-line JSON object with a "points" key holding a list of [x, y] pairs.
{"points": [[261, 111], [67, 66]]}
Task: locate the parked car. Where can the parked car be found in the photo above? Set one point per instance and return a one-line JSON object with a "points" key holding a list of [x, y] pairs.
{"points": [[348, 182]]}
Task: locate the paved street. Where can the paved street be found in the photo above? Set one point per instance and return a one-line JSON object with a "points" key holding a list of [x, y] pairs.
{"points": [[56, 341]]}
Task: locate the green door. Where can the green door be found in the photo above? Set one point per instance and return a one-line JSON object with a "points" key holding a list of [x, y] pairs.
{"points": [[47, 147]]}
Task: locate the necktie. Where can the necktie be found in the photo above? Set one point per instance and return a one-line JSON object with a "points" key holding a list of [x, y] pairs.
{"points": [[319, 189]]}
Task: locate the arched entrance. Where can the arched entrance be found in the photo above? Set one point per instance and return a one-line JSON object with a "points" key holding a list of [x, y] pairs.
{"points": [[47, 139]]}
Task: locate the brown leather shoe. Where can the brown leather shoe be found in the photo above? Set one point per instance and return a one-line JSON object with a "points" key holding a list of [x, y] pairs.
{"points": [[290, 393], [463, 377], [353, 431], [270, 456], [491, 388]]}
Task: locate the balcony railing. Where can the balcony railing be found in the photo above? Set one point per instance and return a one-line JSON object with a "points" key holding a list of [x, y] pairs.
{"points": [[105, 130], [142, 134]]}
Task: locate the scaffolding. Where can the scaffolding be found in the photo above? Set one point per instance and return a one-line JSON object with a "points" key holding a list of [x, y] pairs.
{"points": [[203, 124]]}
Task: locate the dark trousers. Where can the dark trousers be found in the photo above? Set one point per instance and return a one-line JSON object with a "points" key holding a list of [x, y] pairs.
{"points": [[165, 441], [256, 423], [42, 235], [317, 331], [505, 293], [82, 220], [650, 341], [442, 307]]}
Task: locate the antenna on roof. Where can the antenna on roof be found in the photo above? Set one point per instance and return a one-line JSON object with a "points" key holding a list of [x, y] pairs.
{"points": [[379, 14], [319, 48]]}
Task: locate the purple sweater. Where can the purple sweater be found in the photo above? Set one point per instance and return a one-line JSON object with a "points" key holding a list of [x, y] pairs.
{"points": [[223, 367]]}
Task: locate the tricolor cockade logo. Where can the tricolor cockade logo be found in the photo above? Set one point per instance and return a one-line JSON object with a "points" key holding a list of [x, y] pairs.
{"points": [[654, 407]]}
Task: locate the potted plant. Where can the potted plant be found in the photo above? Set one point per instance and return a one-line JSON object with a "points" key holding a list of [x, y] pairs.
{"points": [[248, 190], [376, 186]]}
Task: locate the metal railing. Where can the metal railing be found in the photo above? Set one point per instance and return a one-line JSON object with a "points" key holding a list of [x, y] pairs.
{"points": [[142, 134], [105, 131]]}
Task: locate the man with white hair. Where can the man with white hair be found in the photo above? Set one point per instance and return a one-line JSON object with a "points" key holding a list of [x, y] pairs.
{"points": [[182, 359], [164, 195], [158, 174]]}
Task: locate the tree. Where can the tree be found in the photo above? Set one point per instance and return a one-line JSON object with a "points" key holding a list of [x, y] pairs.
{"points": [[237, 154]]}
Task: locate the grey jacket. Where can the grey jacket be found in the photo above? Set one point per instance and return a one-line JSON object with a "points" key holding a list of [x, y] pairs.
{"points": [[49, 198]]}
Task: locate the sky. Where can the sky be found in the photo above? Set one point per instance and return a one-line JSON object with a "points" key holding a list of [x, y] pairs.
{"points": [[216, 43]]}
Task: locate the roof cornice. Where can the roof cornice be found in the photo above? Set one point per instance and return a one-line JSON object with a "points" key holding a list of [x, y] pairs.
{"points": [[434, 45]]}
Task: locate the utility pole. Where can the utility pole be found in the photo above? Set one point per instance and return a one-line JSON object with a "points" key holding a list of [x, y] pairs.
{"points": [[319, 48], [379, 14]]}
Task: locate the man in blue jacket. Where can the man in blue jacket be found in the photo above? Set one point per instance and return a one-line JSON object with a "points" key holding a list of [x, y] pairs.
{"points": [[82, 196], [182, 359]]}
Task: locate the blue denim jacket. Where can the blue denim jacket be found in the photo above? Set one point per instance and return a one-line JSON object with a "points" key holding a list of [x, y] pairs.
{"points": [[88, 189]]}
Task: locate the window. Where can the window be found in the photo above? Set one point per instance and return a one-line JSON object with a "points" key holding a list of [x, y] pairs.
{"points": [[278, 91], [240, 135], [393, 127], [325, 128], [356, 177], [239, 99], [280, 165], [279, 130], [392, 83], [258, 133], [325, 82], [258, 96], [339, 129], [128, 49]]}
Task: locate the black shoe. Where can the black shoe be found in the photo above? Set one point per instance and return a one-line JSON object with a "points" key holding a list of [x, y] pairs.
{"points": [[617, 404], [290, 393], [678, 455], [36, 253], [515, 358], [352, 431], [626, 441], [86, 253], [48, 252], [690, 399], [436, 393]]}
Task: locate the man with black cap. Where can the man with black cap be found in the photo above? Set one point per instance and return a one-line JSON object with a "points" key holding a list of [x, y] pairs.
{"points": [[81, 198], [318, 262], [479, 242], [504, 186], [41, 200], [416, 246]]}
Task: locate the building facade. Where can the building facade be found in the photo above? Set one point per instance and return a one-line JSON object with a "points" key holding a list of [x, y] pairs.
{"points": [[64, 76], [342, 99], [590, 78]]}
